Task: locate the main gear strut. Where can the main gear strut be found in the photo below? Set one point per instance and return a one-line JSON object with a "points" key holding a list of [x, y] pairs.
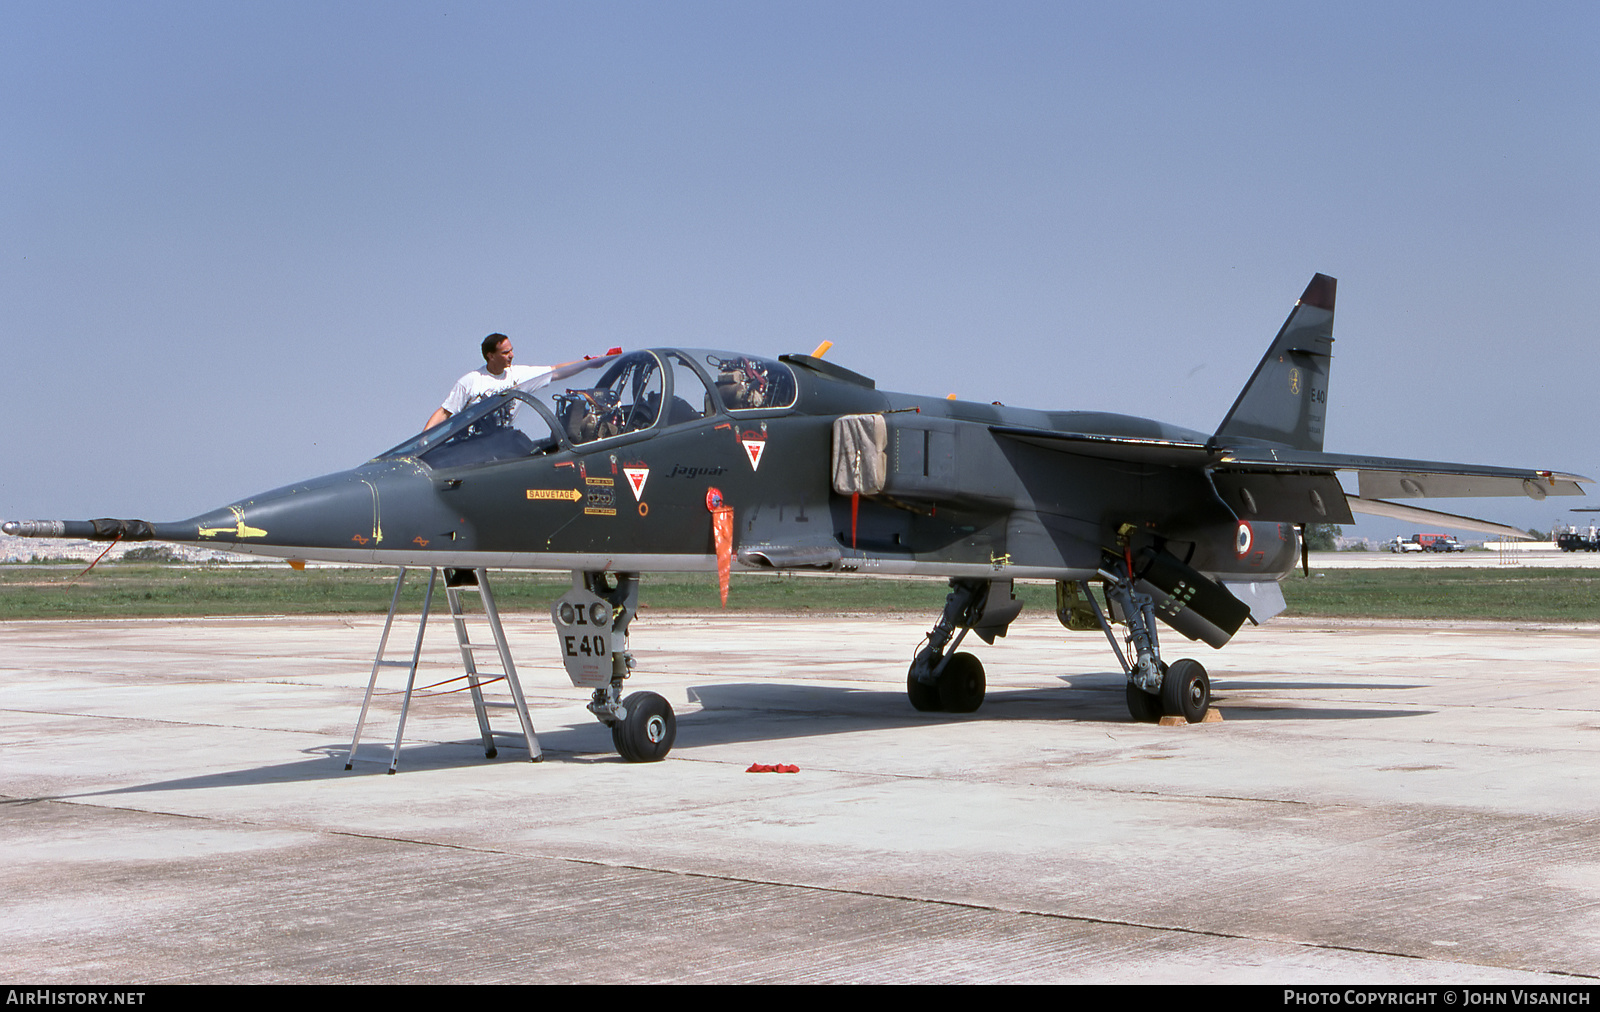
{"points": [[1154, 689], [940, 678]]}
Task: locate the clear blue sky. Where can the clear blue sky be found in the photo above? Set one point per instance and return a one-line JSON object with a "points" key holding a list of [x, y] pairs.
{"points": [[243, 244]]}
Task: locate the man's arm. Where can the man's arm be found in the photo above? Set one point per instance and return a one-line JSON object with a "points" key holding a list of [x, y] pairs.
{"points": [[437, 417], [565, 369], [552, 373]]}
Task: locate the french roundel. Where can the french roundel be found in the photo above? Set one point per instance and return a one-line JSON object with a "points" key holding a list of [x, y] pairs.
{"points": [[1242, 540]]}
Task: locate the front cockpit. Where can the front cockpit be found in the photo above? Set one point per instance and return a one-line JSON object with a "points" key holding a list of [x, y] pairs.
{"points": [[606, 401]]}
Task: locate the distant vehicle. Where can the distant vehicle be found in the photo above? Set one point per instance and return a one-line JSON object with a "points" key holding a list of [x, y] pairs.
{"points": [[1426, 543], [1575, 539]]}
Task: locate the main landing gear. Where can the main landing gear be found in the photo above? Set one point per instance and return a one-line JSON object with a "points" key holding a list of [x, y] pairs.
{"points": [[592, 624], [940, 678], [1154, 689]]}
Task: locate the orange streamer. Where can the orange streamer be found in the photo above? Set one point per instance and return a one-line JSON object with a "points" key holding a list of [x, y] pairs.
{"points": [[722, 536]]}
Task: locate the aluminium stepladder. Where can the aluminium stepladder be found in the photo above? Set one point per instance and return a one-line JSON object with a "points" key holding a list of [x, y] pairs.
{"points": [[457, 581]]}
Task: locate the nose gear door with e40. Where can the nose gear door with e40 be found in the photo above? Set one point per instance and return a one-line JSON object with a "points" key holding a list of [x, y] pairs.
{"points": [[588, 636]]}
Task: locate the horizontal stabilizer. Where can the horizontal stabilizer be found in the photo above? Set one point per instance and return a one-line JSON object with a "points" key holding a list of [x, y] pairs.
{"points": [[1432, 518]]}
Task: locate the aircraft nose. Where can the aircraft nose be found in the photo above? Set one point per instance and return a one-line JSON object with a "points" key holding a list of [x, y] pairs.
{"points": [[334, 511]]}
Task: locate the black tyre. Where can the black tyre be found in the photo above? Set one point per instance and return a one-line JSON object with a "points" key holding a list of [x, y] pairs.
{"points": [[646, 734], [1186, 691], [961, 684], [1142, 706], [923, 696]]}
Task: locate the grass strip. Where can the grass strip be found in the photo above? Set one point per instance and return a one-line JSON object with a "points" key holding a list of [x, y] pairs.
{"points": [[154, 590]]}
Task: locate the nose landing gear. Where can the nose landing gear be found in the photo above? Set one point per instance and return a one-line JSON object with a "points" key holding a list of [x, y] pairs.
{"points": [[592, 624]]}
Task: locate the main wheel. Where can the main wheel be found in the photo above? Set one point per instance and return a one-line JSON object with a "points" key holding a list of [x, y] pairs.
{"points": [[923, 696], [646, 734], [961, 684], [1186, 691], [1143, 707]]}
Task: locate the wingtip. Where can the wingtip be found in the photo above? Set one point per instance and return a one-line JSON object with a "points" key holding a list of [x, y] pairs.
{"points": [[1320, 292]]}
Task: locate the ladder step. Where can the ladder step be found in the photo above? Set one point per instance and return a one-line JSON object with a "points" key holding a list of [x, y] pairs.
{"points": [[394, 664]]}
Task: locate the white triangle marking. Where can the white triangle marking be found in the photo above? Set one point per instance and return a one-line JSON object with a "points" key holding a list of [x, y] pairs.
{"points": [[636, 480], [753, 449]]}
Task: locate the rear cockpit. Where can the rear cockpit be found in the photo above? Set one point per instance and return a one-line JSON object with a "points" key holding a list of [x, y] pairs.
{"points": [[745, 382], [608, 401]]}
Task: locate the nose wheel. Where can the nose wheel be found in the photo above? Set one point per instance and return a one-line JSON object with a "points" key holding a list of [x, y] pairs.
{"points": [[646, 733]]}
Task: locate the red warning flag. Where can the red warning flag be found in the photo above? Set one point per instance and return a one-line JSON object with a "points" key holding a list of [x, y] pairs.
{"points": [[722, 536]]}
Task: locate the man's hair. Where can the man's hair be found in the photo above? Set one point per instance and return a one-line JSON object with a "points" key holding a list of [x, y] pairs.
{"points": [[492, 342]]}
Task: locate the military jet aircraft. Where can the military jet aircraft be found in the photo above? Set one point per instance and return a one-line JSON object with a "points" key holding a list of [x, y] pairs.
{"points": [[689, 460]]}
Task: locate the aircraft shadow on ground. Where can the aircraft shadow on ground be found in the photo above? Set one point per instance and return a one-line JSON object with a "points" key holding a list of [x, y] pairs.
{"points": [[765, 712]]}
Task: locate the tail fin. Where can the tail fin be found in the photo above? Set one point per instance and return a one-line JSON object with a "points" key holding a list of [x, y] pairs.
{"points": [[1286, 400]]}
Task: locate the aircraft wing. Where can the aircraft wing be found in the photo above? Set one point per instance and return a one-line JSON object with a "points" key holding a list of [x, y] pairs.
{"points": [[1394, 477], [1301, 486]]}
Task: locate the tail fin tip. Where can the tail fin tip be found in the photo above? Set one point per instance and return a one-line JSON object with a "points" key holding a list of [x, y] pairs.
{"points": [[1320, 292]]}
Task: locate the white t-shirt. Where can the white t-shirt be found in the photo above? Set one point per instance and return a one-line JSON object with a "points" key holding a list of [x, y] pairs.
{"points": [[482, 383]]}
